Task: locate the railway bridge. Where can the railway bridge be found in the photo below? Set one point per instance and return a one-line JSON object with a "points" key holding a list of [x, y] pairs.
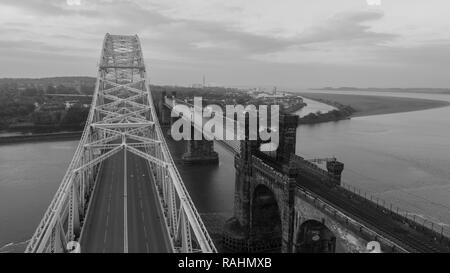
{"points": [[286, 203]]}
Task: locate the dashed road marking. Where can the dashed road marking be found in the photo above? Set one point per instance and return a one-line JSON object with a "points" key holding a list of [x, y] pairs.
{"points": [[104, 238]]}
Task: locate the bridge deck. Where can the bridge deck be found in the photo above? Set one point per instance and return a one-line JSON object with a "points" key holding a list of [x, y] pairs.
{"points": [[104, 229]]}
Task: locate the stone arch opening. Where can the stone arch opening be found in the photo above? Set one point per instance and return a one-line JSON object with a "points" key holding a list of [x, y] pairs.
{"points": [[266, 227], [314, 237]]}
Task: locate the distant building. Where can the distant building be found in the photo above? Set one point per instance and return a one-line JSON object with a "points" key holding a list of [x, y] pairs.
{"points": [[49, 113], [200, 85], [70, 103]]}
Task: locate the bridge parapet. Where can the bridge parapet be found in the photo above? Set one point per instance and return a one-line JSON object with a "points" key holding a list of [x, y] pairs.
{"points": [[354, 235], [313, 170], [279, 179], [435, 232]]}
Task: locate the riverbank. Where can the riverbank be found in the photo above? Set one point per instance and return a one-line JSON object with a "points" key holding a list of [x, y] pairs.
{"points": [[333, 115], [377, 105], [396, 90], [294, 108], [40, 137]]}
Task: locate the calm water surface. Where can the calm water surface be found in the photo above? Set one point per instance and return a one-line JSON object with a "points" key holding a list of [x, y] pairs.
{"points": [[30, 173]]}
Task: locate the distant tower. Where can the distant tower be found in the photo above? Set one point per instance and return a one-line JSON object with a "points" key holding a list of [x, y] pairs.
{"points": [[204, 81], [274, 92], [78, 87]]}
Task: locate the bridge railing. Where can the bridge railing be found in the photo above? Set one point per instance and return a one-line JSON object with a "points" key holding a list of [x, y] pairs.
{"points": [[60, 209], [440, 232], [184, 195], [435, 230], [232, 145], [182, 212], [358, 224]]}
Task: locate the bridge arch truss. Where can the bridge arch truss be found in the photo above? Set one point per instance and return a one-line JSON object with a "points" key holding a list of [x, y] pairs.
{"points": [[122, 118]]}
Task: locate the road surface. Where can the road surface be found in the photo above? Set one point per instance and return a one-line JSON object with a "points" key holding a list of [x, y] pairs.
{"points": [[119, 222]]}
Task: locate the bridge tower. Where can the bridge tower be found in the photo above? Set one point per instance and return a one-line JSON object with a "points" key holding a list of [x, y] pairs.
{"points": [[258, 203], [335, 169], [288, 133]]}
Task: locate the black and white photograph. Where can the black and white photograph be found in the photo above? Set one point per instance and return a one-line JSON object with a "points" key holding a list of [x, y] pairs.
{"points": [[243, 128]]}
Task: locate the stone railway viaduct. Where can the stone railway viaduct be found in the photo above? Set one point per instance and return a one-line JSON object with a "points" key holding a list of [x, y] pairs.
{"points": [[283, 202]]}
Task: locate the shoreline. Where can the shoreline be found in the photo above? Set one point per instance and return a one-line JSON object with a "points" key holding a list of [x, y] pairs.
{"points": [[358, 114], [370, 105], [76, 135], [423, 90], [364, 105]]}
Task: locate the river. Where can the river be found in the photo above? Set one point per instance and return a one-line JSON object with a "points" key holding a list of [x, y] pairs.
{"points": [[403, 158], [30, 173]]}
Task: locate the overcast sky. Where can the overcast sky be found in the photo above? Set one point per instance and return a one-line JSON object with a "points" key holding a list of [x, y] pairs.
{"points": [[292, 43]]}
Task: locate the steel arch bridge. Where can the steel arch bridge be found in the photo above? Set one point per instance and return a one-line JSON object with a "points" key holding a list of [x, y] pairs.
{"points": [[122, 119]]}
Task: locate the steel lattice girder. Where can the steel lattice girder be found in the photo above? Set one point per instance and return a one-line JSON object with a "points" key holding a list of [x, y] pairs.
{"points": [[122, 111]]}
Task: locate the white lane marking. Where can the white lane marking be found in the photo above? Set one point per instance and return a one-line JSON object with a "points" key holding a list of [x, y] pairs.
{"points": [[104, 238], [125, 216], [109, 208], [141, 190]]}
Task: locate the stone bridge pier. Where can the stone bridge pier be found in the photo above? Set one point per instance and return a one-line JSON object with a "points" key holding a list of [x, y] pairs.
{"points": [[200, 151], [264, 196], [273, 213], [197, 151]]}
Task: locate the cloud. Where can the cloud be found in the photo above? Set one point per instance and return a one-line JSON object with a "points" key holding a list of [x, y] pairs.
{"points": [[434, 55], [49, 7], [223, 37], [347, 27], [192, 38], [195, 36], [28, 45], [345, 38], [344, 28]]}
